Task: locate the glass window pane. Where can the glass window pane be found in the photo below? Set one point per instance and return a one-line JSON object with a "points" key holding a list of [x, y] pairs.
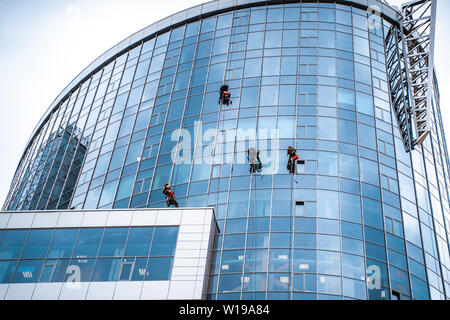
{"points": [[361, 45], [159, 269], [106, 270], [327, 204], [232, 261], [354, 288], [350, 207], [126, 270], [59, 273], [349, 167], [347, 131], [363, 74], [352, 246], [282, 202], [125, 187], [290, 38], [344, 41], [139, 241], [12, 244], [80, 270], [278, 282], [369, 171], [255, 282], [327, 67], [364, 103], [235, 241], [47, 271], [255, 40], [271, 66], [307, 241], [216, 73], [164, 241], [257, 16], [37, 244], [249, 97], [231, 283], [238, 204], [256, 260], [28, 271], [63, 243], [88, 242], [92, 198], [286, 127], [113, 243], [330, 285], [304, 261], [7, 270], [327, 163], [327, 128], [327, 96], [353, 266], [366, 136], [269, 96], [272, 39], [252, 68], [287, 95], [327, 39], [109, 190], [279, 260], [139, 271], [260, 203], [280, 240]]}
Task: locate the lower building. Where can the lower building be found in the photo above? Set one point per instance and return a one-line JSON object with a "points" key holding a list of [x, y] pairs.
{"points": [[118, 254]]}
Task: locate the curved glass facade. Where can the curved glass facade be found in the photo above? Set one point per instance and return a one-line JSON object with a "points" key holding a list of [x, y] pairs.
{"points": [[362, 219]]}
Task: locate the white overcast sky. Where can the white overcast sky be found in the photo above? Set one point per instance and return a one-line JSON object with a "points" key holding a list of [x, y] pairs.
{"points": [[45, 44]]}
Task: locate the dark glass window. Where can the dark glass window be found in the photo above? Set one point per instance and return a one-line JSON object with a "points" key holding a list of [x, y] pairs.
{"points": [[80, 270], [28, 271], [7, 270], [139, 241], [37, 244], [106, 270], [63, 243], [113, 243], [164, 241], [88, 242], [159, 269], [12, 244]]}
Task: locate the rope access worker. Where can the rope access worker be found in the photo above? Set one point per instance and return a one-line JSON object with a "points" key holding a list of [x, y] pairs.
{"points": [[293, 157], [253, 158], [170, 196], [225, 95]]}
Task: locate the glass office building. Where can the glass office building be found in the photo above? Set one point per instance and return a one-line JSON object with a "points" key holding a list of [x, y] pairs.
{"points": [[361, 219]]}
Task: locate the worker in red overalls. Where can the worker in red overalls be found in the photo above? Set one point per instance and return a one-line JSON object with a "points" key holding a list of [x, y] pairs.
{"points": [[293, 157], [170, 196]]}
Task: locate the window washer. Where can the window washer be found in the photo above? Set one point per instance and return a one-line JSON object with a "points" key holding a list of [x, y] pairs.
{"points": [[293, 157], [170, 197], [255, 162], [225, 95]]}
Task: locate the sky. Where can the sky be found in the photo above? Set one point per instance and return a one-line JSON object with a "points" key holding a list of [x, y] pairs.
{"points": [[45, 44]]}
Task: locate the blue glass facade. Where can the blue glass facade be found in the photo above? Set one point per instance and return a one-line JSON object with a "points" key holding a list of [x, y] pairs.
{"points": [[362, 219]]}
